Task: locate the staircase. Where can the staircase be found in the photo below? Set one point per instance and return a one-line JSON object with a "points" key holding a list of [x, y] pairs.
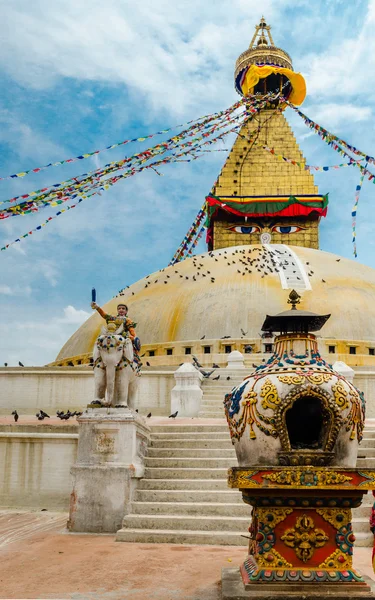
{"points": [[214, 392], [184, 497]]}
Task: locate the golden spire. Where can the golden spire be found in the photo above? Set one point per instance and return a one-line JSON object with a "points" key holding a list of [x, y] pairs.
{"points": [[262, 31], [264, 68]]}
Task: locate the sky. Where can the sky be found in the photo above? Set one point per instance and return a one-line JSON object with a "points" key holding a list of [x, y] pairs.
{"points": [[79, 76]]}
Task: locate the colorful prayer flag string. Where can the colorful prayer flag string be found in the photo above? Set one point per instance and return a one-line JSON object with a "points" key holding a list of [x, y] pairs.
{"points": [[329, 137], [354, 212], [116, 145]]}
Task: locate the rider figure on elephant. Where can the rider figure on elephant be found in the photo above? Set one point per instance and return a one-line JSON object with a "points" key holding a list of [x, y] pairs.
{"points": [[116, 360], [129, 326]]}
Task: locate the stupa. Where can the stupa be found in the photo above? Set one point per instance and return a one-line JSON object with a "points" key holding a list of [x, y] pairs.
{"points": [[257, 204]]}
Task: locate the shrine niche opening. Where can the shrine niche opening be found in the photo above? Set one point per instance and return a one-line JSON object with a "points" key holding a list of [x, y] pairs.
{"points": [[305, 423]]}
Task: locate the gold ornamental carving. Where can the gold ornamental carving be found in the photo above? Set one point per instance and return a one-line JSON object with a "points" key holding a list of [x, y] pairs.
{"points": [[335, 516], [340, 395], [331, 415], [272, 560], [337, 560], [299, 478], [270, 395], [297, 379], [241, 480], [277, 515], [291, 379], [304, 537]]}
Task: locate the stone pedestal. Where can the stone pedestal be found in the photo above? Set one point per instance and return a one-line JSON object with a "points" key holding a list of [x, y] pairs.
{"points": [[187, 394], [301, 538], [235, 360], [111, 447]]}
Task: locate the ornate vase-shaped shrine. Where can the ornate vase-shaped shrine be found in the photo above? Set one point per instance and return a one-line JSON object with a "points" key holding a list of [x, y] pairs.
{"points": [[296, 425]]}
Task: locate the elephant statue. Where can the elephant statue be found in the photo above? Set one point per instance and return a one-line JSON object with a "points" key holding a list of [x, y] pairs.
{"points": [[115, 370]]}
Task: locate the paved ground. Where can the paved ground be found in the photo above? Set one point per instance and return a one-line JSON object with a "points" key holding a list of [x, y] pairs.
{"points": [[39, 559]]}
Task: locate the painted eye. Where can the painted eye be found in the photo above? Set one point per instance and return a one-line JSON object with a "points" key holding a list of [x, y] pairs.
{"points": [[286, 229], [245, 229]]}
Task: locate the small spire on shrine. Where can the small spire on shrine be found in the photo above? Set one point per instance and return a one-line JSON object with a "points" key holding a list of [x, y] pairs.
{"points": [[294, 299], [262, 36]]}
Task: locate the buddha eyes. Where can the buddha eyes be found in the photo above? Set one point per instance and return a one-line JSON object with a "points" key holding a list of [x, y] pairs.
{"points": [[245, 229], [286, 229]]}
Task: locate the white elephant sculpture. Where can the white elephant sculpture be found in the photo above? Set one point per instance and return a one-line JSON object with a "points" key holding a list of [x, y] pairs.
{"points": [[116, 373]]}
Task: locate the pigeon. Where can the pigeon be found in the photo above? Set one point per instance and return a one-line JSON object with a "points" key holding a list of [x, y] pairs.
{"points": [[174, 415], [16, 416], [39, 417], [338, 259], [216, 378], [324, 281], [228, 378], [44, 414], [215, 366], [70, 364], [5, 364], [196, 361], [207, 374], [254, 366], [136, 410], [243, 332], [149, 415], [203, 336], [20, 364], [147, 363], [66, 416]]}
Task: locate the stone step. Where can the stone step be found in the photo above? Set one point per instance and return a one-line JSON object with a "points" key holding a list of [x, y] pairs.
{"points": [[165, 536], [191, 453], [364, 540], [219, 483], [189, 429], [190, 436], [190, 522], [212, 402], [364, 452], [217, 390], [367, 443], [369, 433], [209, 415], [190, 463], [368, 463], [173, 473], [360, 525], [202, 509], [216, 444], [186, 495]]}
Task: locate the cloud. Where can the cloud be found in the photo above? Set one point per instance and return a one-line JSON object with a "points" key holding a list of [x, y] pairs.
{"points": [[37, 341], [344, 67], [5, 289], [74, 316], [332, 114], [174, 55]]}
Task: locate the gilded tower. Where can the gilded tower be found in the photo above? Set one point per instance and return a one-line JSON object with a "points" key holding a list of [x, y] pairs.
{"points": [[259, 197]]}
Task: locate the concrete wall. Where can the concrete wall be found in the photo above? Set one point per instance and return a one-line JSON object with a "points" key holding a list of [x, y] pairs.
{"points": [[51, 389], [35, 469]]}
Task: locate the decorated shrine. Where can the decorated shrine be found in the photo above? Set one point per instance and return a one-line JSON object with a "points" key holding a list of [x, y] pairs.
{"points": [[296, 425]]}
